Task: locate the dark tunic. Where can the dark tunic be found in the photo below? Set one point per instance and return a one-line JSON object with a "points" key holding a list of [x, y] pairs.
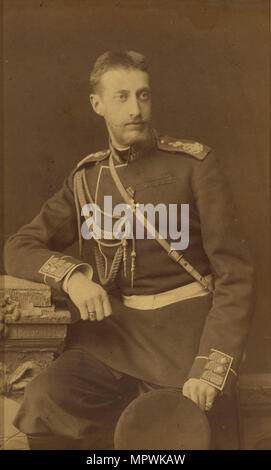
{"points": [[169, 344]]}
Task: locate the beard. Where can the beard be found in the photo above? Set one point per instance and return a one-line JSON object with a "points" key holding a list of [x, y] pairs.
{"points": [[145, 142]]}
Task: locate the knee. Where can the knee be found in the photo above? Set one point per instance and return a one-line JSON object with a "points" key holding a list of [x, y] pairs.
{"points": [[40, 389], [29, 417], [34, 391]]}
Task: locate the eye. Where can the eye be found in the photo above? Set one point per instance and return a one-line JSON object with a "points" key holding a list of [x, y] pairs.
{"points": [[144, 95], [122, 97]]}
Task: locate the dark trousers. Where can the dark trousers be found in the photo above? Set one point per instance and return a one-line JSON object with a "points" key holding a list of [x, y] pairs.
{"points": [[77, 399], [76, 403]]}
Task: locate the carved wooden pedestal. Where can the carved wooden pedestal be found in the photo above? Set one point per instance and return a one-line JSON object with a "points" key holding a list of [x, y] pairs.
{"points": [[32, 334]]}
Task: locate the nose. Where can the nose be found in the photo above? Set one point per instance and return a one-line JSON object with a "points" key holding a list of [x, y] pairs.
{"points": [[134, 107]]}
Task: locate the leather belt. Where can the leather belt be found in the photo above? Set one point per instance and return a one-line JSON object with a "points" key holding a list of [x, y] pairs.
{"points": [[151, 302]]}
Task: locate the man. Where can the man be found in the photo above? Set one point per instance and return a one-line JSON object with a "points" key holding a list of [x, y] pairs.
{"points": [[146, 321]]}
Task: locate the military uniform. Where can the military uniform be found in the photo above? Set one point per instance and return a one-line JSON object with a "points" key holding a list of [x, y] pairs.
{"points": [[202, 336]]}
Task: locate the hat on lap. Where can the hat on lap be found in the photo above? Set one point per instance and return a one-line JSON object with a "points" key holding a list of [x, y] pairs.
{"points": [[162, 419]]}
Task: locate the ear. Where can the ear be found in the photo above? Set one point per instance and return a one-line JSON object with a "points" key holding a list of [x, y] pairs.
{"points": [[96, 103]]}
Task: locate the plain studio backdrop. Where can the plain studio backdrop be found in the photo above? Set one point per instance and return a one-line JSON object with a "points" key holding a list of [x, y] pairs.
{"points": [[209, 63]]}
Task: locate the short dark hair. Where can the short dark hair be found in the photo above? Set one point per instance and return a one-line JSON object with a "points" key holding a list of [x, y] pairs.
{"points": [[113, 60]]}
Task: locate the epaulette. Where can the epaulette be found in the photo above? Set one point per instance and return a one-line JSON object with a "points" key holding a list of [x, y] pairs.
{"points": [[190, 147], [93, 158]]}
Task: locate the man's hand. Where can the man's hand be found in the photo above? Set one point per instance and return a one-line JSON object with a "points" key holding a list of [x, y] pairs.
{"points": [[90, 298], [200, 393]]}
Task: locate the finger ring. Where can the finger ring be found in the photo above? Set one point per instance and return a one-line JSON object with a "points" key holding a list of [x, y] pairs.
{"points": [[92, 315]]}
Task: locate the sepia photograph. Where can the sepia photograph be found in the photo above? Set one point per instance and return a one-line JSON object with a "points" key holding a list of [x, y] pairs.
{"points": [[135, 222]]}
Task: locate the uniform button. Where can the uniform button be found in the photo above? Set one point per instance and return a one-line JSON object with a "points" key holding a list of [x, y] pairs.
{"points": [[210, 365], [219, 369], [223, 360], [213, 356]]}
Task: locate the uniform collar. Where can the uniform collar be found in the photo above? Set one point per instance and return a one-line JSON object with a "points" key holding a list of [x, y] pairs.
{"points": [[135, 151]]}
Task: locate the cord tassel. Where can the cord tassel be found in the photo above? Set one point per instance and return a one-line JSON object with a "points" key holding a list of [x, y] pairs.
{"points": [[124, 256], [133, 258]]}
